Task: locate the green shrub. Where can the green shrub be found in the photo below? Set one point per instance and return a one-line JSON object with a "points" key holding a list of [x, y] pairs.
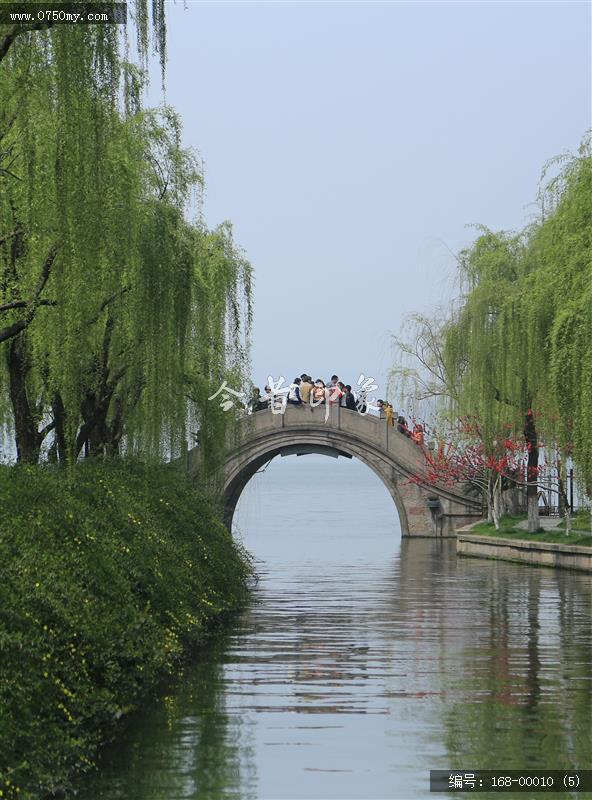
{"points": [[109, 574]]}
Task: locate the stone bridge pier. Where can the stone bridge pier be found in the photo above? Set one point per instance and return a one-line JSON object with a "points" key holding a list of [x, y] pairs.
{"points": [[424, 509]]}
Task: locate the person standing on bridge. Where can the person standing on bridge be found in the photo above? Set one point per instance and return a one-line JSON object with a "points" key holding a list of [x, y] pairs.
{"points": [[305, 388], [332, 386], [389, 413], [267, 397], [402, 426], [256, 403], [418, 433], [386, 411], [294, 396], [335, 393], [319, 392], [350, 400]]}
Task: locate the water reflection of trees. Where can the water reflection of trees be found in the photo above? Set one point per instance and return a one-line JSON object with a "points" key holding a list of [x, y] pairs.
{"points": [[521, 697], [189, 745], [507, 655], [515, 668]]}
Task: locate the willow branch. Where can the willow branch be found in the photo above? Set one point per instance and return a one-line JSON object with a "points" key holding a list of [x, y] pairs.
{"points": [[107, 302], [114, 296], [17, 30], [24, 303], [13, 330], [47, 429], [10, 174], [501, 399]]}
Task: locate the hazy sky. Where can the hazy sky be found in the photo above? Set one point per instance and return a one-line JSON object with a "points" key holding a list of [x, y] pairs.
{"points": [[352, 143]]}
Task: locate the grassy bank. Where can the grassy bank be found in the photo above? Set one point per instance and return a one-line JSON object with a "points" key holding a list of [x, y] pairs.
{"points": [[508, 530], [581, 521], [108, 575]]}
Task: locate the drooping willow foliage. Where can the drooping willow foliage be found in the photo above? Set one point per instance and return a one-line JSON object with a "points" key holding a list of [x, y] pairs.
{"points": [[515, 352], [484, 343], [118, 316], [520, 340], [561, 310]]}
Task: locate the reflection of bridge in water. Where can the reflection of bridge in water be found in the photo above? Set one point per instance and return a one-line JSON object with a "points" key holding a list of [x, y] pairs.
{"points": [[425, 509]]}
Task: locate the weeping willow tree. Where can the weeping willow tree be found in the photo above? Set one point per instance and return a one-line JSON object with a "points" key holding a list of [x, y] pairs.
{"points": [[561, 308], [514, 354], [104, 283], [521, 339], [487, 347]]}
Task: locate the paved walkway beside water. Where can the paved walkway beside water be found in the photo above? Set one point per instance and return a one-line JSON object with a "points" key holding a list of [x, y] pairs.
{"points": [[546, 523]]}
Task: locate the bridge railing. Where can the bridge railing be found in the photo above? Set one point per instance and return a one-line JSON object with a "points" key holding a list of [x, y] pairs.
{"points": [[364, 427]]}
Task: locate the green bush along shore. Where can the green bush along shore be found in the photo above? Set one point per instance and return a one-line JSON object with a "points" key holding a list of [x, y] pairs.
{"points": [[109, 574]]}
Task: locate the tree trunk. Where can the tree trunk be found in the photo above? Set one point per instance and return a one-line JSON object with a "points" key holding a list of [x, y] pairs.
{"points": [[93, 434], [511, 499], [564, 509], [532, 506], [114, 432], [567, 520], [96, 442], [562, 501], [59, 416], [532, 470], [497, 501], [490, 517], [27, 437]]}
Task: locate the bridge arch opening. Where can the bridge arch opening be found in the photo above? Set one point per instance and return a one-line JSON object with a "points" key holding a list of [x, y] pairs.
{"points": [[316, 490]]}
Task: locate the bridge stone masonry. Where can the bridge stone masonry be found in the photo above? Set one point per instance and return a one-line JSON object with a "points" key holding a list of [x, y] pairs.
{"points": [[424, 509]]}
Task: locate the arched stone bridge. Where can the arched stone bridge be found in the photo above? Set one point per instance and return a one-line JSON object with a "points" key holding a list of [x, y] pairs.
{"points": [[424, 509]]}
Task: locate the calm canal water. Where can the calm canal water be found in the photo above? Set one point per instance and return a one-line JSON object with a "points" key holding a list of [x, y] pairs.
{"points": [[364, 661]]}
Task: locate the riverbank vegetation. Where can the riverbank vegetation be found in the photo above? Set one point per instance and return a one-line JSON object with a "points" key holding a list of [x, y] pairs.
{"points": [[506, 369], [509, 529], [121, 313], [109, 575]]}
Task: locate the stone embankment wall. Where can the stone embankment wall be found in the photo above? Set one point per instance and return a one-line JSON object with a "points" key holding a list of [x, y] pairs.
{"points": [[545, 554]]}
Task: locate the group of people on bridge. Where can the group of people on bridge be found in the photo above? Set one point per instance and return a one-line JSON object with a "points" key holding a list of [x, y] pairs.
{"points": [[303, 391], [417, 433]]}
